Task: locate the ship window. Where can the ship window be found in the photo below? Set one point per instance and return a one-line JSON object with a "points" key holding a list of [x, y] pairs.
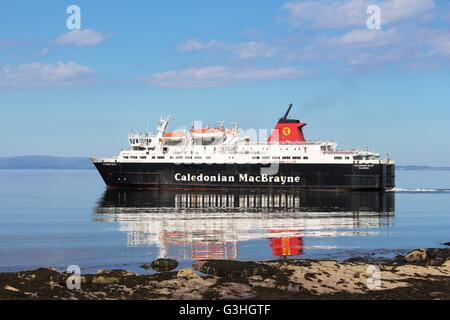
{"points": [[153, 157], [143, 157], [208, 157], [266, 158], [188, 157], [125, 157], [347, 158], [197, 157], [306, 149], [286, 158], [180, 157], [337, 158], [297, 158], [305, 158], [160, 157], [255, 158], [276, 158], [133, 157]]}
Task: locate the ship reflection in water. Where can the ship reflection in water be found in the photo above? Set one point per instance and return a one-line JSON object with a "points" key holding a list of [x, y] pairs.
{"points": [[195, 225]]}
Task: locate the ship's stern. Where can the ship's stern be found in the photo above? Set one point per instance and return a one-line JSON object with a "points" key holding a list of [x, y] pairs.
{"points": [[389, 176]]}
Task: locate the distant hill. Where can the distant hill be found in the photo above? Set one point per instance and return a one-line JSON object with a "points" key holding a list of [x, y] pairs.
{"points": [[49, 162], [45, 162], [422, 168]]}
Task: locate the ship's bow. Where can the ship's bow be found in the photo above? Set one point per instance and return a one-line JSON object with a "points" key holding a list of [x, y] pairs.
{"points": [[106, 167]]}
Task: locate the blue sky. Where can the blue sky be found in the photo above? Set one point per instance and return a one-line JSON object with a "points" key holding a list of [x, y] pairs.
{"points": [[79, 92]]}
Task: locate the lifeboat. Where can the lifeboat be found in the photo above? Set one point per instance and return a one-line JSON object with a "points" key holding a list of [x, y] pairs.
{"points": [[174, 136], [208, 133]]}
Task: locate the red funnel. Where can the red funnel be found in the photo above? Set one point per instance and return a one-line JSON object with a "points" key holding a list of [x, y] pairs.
{"points": [[287, 130]]}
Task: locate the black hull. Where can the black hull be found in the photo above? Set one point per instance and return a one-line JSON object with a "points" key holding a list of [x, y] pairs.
{"points": [[376, 177]]}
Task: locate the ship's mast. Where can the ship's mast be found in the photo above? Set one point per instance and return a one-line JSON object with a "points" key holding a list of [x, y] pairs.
{"points": [[287, 112], [163, 123]]}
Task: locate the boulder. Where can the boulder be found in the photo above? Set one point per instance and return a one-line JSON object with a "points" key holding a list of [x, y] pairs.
{"points": [[162, 265], [105, 280], [427, 257], [146, 266], [416, 256], [9, 288], [115, 273], [234, 269], [187, 274]]}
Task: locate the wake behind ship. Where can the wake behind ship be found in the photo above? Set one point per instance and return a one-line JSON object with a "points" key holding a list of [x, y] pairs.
{"points": [[219, 157]]}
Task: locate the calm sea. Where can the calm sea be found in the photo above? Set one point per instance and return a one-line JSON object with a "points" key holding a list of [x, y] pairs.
{"points": [[57, 218]]}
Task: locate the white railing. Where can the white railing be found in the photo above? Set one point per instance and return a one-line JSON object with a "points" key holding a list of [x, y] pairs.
{"points": [[140, 135]]}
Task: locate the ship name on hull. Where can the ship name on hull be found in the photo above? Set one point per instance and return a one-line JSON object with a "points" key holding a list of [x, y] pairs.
{"points": [[243, 177]]}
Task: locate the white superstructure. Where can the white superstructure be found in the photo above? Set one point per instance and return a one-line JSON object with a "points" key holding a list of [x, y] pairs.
{"points": [[222, 145]]}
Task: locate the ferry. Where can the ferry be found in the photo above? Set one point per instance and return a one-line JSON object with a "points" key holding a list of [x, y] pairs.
{"points": [[220, 157]]}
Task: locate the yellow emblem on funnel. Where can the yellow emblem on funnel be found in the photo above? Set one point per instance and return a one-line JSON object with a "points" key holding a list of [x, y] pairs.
{"points": [[286, 131]]}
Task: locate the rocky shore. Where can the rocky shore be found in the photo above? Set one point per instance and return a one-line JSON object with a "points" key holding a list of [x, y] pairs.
{"points": [[421, 274]]}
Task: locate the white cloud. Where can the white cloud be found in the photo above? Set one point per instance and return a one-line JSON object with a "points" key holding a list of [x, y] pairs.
{"points": [[244, 50], [335, 14], [407, 45], [413, 46], [219, 75], [38, 75], [364, 59], [326, 14], [81, 38], [353, 43], [400, 10], [191, 45], [368, 38], [254, 49]]}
